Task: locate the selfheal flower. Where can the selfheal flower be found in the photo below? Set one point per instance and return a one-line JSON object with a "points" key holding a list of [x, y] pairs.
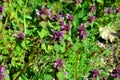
{"points": [[94, 74], [57, 35], [117, 10], [108, 10], [64, 26], [2, 69], [62, 23], [92, 8], [116, 72], [69, 17], [91, 18], [56, 17], [37, 13], [81, 31], [19, 36], [58, 62], [43, 11], [1, 9]]}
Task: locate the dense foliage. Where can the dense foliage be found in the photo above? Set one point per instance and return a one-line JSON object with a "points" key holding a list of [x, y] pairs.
{"points": [[59, 39]]}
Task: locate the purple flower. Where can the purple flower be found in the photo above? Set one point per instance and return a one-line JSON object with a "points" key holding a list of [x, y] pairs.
{"points": [[94, 74], [59, 62], [91, 18], [1, 9], [108, 10], [57, 35], [116, 72], [64, 26], [43, 11], [81, 31], [62, 23], [37, 13], [117, 10], [69, 17], [92, 8], [56, 17], [2, 69], [19, 36]]}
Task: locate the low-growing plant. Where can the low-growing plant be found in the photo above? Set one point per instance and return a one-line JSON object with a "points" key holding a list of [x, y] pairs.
{"points": [[59, 40]]}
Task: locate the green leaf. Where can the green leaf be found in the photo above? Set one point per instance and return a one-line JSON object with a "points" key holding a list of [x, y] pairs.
{"points": [[67, 37], [100, 1], [63, 46], [44, 47], [43, 33], [81, 13], [76, 45], [48, 77], [28, 17], [76, 22], [60, 75], [57, 48], [43, 24], [50, 24]]}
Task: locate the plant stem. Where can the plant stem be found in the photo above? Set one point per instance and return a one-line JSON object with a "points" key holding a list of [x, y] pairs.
{"points": [[25, 16], [76, 66]]}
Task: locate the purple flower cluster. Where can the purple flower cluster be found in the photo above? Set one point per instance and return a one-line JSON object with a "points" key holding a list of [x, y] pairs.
{"points": [[58, 63], [117, 10], [43, 11], [19, 36], [91, 18], [81, 31], [116, 72], [69, 17], [57, 35], [108, 10], [2, 8], [92, 8], [111, 10], [64, 26], [94, 74], [56, 17], [2, 69]]}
